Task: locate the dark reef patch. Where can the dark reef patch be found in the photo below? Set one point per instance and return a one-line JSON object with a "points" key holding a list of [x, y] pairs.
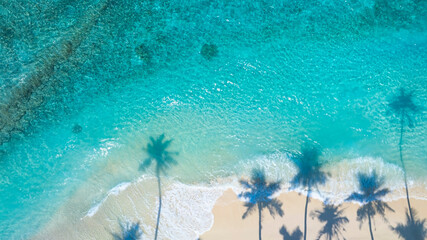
{"points": [[77, 128], [144, 53], [209, 51]]}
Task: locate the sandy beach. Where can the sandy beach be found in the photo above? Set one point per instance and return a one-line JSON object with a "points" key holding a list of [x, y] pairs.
{"points": [[211, 213], [228, 223]]}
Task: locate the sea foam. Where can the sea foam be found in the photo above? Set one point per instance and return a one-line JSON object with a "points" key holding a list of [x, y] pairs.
{"points": [[342, 180], [187, 208], [114, 191]]}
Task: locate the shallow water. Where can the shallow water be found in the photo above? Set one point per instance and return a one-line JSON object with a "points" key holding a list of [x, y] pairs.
{"points": [[286, 73]]}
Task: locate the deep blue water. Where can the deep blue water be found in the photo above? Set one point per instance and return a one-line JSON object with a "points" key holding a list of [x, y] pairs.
{"points": [[286, 73]]}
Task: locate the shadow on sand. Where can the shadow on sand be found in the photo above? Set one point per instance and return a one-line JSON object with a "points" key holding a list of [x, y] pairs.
{"points": [[129, 231], [333, 219], [369, 195], [295, 235], [259, 195], [413, 229], [309, 175]]}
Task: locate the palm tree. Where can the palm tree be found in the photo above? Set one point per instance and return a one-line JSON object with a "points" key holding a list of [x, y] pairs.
{"points": [[332, 216], [130, 231], [156, 150], [309, 174], [296, 234], [414, 228], [403, 107], [259, 194], [369, 196]]}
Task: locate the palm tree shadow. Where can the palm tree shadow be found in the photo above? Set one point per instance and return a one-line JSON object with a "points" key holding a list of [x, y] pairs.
{"points": [[413, 229], [259, 195], [369, 195], [295, 235], [332, 217], [129, 231], [404, 108], [310, 174], [157, 152]]}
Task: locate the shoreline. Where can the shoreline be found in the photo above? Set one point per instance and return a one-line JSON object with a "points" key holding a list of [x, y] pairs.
{"points": [[210, 211], [228, 222]]}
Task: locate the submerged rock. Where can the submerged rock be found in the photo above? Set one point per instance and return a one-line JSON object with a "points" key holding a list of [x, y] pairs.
{"points": [[6, 33], [144, 53], [209, 51], [77, 128]]}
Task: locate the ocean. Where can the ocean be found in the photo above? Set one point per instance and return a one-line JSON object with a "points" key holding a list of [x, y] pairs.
{"points": [[276, 75]]}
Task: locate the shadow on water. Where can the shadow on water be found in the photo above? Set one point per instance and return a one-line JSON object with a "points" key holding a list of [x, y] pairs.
{"points": [[413, 229], [334, 221], [404, 108], [259, 196], [129, 231], [157, 152], [309, 174], [295, 235], [369, 195]]}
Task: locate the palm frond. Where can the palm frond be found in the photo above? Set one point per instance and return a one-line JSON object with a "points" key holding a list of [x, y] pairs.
{"points": [[380, 207], [250, 207], [309, 172], [355, 197], [245, 184], [275, 206], [129, 231], [403, 106], [412, 229], [260, 193], [167, 143], [157, 151], [370, 196], [380, 193], [145, 164], [273, 187], [331, 216], [296, 234]]}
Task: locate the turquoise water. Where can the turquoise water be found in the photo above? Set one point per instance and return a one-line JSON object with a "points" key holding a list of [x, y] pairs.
{"points": [[286, 73]]}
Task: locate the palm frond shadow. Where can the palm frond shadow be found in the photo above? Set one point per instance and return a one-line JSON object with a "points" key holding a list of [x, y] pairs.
{"points": [[369, 195], [332, 217], [259, 195], [295, 235], [403, 107], [413, 229], [157, 150], [309, 169], [129, 231], [310, 174]]}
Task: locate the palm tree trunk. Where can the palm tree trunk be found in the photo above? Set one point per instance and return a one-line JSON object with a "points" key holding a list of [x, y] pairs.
{"points": [[305, 213], [403, 167], [160, 206], [259, 219], [370, 226]]}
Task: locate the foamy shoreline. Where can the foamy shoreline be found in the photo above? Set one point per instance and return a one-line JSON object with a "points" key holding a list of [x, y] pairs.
{"points": [[189, 210]]}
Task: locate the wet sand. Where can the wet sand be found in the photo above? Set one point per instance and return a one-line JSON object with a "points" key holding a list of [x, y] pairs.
{"points": [[209, 212]]}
